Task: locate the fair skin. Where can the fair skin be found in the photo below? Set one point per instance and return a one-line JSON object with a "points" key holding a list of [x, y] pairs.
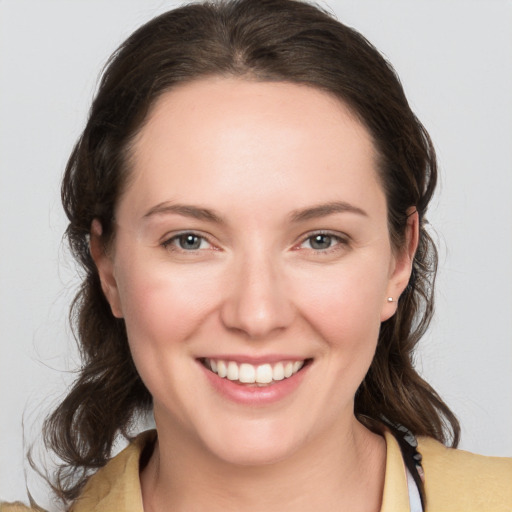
{"points": [[253, 231]]}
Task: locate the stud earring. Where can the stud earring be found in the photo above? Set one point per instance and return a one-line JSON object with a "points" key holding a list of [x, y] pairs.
{"points": [[390, 299]]}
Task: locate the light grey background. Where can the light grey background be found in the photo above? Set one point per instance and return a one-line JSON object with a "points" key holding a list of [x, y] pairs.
{"points": [[455, 60]]}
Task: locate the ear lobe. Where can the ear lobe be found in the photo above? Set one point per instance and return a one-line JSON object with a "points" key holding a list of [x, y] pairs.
{"points": [[105, 266], [403, 262]]}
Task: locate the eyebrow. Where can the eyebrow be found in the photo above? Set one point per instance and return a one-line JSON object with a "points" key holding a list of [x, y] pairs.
{"points": [[194, 212], [313, 212], [322, 210]]}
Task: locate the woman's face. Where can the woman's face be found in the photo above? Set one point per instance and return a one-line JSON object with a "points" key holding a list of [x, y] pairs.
{"points": [[252, 239]]}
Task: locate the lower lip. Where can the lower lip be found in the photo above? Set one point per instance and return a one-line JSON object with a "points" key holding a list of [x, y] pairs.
{"points": [[255, 395]]}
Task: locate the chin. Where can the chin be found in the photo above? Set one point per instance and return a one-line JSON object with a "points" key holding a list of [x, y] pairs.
{"points": [[254, 455], [256, 446]]}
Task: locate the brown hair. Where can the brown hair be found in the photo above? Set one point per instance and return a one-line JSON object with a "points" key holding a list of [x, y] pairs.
{"points": [[263, 40]]}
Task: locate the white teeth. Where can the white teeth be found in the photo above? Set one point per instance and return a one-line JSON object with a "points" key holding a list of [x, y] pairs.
{"points": [[264, 374], [278, 372], [232, 371], [249, 374], [222, 369]]}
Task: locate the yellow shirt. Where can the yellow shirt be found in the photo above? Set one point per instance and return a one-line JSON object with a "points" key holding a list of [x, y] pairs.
{"points": [[455, 481]]}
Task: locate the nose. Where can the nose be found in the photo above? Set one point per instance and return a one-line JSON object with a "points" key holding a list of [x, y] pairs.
{"points": [[256, 300]]}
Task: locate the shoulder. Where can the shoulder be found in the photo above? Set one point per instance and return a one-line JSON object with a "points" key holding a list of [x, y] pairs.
{"points": [[459, 480], [118, 482], [111, 487]]}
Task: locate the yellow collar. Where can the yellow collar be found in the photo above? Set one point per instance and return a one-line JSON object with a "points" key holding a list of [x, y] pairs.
{"points": [[117, 486]]}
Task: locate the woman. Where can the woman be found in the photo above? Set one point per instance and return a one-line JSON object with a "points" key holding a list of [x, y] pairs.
{"points": [[248, 201]]}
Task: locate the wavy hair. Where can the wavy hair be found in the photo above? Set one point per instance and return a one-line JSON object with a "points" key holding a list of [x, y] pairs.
{"points": [[261, 40]]}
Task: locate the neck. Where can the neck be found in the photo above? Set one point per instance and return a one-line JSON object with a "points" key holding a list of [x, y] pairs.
{"points": [[342, 471]]}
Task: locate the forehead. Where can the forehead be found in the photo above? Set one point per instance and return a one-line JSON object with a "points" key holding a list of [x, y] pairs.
{"points": [[230, 137], [236, 104]]}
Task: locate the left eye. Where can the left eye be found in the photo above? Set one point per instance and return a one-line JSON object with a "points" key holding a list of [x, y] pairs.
{"points": [[321, 241], [187, 242]]}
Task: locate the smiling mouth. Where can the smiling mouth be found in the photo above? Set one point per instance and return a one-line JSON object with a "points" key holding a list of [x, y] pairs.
{"points": [[248, 374]]}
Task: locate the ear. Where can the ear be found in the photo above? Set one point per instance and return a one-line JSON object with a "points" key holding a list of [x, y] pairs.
{"points": [[104, 263], [402, 264]]}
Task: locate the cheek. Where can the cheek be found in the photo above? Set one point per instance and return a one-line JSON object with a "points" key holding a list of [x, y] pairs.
{"points": [[164, 308], [345, 304], [162, 305], [344, 308]]}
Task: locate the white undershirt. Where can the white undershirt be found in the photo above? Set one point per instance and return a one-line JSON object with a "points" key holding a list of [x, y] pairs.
{"points": [[414, 494]]}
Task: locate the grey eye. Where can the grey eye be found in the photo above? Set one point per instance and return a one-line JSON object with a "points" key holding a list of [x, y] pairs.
{"points": [[320, 242], [189, 242]]}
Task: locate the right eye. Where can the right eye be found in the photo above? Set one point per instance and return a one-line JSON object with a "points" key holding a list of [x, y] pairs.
{"points": [[187, 242], [322, 241]]}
